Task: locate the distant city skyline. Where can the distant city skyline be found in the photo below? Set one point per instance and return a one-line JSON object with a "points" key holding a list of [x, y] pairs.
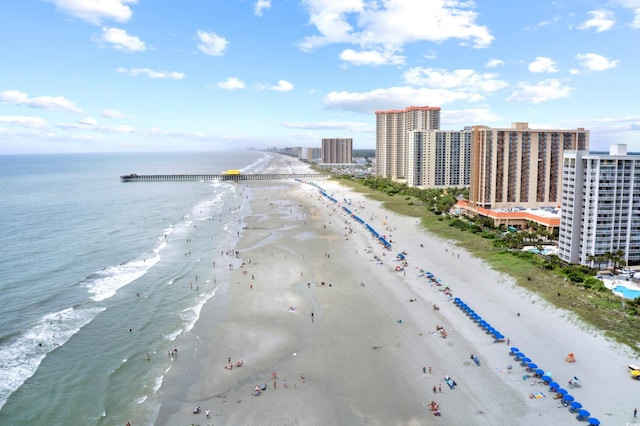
{"points": [[136, 75]]}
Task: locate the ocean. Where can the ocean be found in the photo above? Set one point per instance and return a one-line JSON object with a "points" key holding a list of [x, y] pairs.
{"points": [[95, 274]]}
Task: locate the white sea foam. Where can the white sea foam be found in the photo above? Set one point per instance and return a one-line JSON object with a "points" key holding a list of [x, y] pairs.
{"points": [[115, 277], [172, 336], [158, 383], [22, 356], [190, 315]]}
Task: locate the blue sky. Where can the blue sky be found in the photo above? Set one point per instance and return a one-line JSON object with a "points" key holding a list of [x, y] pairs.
{"points": [[200, 75]]}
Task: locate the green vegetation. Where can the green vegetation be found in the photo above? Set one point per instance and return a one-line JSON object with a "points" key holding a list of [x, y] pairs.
{"points": [[570, 287]]}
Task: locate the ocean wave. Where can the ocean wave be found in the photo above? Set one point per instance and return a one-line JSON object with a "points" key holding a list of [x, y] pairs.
{"points": [[21, 357], [190, 315], [115, 277]]}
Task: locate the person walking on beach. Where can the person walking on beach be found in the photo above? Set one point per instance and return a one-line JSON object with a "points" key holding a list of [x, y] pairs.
{"points": [[424, 370], [635, 413]]}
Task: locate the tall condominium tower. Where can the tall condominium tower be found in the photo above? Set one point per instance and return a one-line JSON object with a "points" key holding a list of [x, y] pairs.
{"points": [[438, 158], [600, 210], [392, 129], [519, 166], [337, 150]]}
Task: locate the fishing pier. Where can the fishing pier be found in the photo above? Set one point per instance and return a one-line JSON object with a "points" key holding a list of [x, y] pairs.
{"points": [[220, 177]]}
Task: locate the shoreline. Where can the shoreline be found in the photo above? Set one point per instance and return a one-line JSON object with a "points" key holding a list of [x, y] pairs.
{"points": [[374, 329]]}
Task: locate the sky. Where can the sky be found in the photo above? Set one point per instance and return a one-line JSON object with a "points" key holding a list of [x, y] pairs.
{"points": [[205, 75]]}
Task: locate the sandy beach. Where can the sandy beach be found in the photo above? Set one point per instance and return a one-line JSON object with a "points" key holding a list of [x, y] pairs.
{"points": [[316, 300]]}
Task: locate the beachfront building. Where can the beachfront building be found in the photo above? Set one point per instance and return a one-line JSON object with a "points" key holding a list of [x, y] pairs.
{"points": [[438, 158], [337, 150], [392, 132], [310, 155], [519, 167], [600, 211]]}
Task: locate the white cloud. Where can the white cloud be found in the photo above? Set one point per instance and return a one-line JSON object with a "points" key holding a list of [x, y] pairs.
{"points": [[92, 125], [601, 20], [89, 121], [16, 97], [260, 6], [282, 86], [329, 125], [553, 20], [395, 98], [543, 64], [231, 83], [542, 91], [111, 113], [118, 129], [22, 121], [462, 79], [636, 19], [135, 72], [595, 62], [121, 40], [95, 11], [390, 24], [371, 57], [494, 63], [471, 116], [211, 43]]}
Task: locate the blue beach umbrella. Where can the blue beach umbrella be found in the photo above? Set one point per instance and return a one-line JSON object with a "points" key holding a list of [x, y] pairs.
{"points": [[575, 405], [540, 372], [514, 350], [519, 355], [546, 379], [561, 391], [583, 413], [553, 386], [525, 360], [593, 421], [532, 365], [568, 398], [456, 299]]}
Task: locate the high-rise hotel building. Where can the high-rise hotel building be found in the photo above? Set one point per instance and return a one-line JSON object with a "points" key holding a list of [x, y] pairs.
{"points": [[392, 132], [337, 150], [600, 210], [438, 158], [518, 166]]}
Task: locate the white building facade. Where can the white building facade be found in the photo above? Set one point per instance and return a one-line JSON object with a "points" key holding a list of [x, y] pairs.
{"points": [[438, 158], [600, 210]]}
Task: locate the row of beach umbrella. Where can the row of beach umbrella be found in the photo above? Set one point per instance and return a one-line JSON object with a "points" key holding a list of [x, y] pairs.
{"points": [[478, 319], [569, 400], [381, 238], [546, 377]]}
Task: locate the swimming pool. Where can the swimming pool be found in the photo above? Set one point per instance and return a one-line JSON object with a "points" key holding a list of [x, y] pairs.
{"points": [[627, 293], [536, 251]]}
